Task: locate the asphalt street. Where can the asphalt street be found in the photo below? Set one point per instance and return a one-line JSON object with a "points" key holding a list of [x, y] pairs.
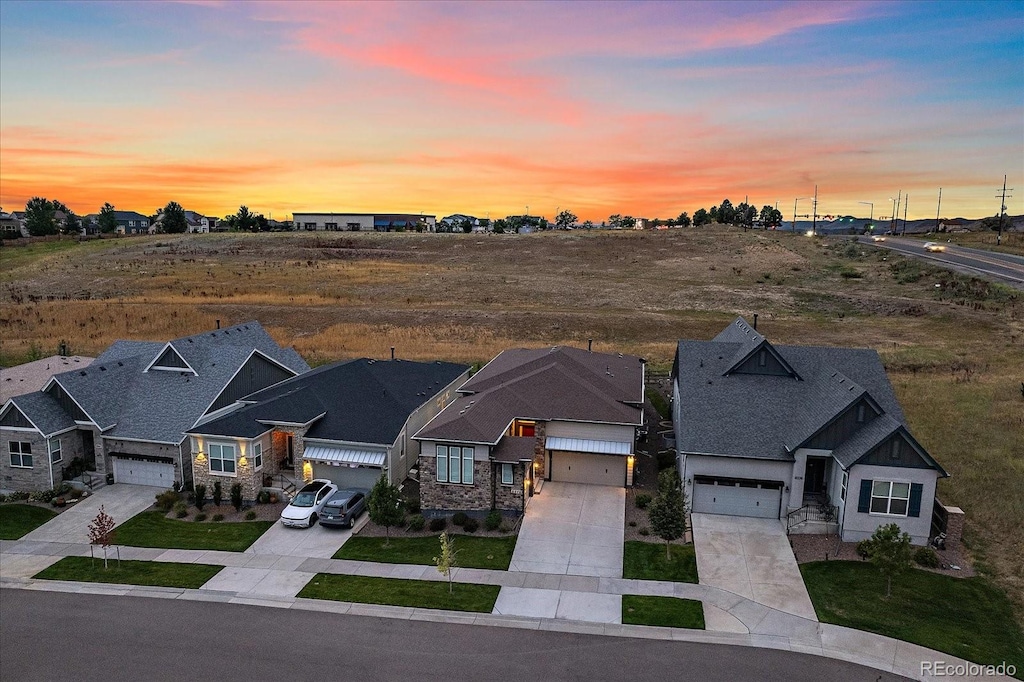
{"points": [[1002, 267], [50, 636]]}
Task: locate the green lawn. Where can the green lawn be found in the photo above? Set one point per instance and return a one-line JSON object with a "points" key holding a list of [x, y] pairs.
{"points": [[155, 573], [646, 561], [474, 552], [153, 529], [422, 594], [966, 617], [667, 612], [18, 519]]}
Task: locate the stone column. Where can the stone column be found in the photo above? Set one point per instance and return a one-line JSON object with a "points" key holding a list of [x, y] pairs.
{"points": [[539, 452], [954, 527]]}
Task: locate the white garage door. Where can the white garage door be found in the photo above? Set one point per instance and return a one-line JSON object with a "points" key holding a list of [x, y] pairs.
{"points": [[737, 497], [574, 467], [345, 476], [143, 473]]}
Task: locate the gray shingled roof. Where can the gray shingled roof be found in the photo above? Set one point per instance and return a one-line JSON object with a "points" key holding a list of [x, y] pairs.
{"points": [[546, 384], [32, 376], [45, 412]]}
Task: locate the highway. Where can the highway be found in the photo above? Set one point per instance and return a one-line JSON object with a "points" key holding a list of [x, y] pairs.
{"points": [[1002, 267]]}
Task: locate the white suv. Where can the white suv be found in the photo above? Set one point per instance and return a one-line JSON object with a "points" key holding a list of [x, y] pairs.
{"points": [[305, 507]]}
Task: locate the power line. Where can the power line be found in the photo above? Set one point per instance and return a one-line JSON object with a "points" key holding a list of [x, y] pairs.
{"points": [[1002, 196]]}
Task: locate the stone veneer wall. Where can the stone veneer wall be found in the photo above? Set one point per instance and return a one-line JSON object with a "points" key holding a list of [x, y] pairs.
{"points": [[539, 452], [436, 496], [18, 478], [510, 497]]}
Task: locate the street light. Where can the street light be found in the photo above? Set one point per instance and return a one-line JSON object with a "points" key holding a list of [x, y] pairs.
{"points": [[871, 220], [794, 210]]}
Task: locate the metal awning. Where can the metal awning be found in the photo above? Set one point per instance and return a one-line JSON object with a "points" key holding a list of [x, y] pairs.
{"points": [[601, 447], [323, 453]]}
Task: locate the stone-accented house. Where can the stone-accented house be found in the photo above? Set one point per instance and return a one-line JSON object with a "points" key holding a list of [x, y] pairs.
{"points": [[811, 435], [348, 422], [556, 414], [128, 411]]}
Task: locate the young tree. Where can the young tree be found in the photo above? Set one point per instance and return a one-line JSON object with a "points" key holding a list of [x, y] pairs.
{"points": [[173, 219], [566, 220], [107, 219], [667, 511], [447, 559], [890, 552], [101, 532], [236, 496], [387, 507], [40, 218]]}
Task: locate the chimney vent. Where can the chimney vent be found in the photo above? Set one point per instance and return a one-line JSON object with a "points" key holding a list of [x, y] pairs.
{"points": [[755, 321], [590, 345], [392, 352], [218, 324]]}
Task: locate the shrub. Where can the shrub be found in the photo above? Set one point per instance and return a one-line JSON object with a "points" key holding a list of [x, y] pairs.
{"points": [[218, 493], [180, 509], [416, 523], [199, 518], [412, 505], [236, 496], [42, 495], [460, 518], [217, 518], [263, 497], [926, 556], [3, 498], [18, 496], [642, 500], [470, 525], [493, 520], [644, 531], [505, 527], [632, 524], [438, 524], [864, 549], [666, 459], [250, 515], [200, 497], [75, 494], [166, 500]]}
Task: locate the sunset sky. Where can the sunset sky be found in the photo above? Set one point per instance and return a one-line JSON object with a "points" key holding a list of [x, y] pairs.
{"points": [[646, 109]]}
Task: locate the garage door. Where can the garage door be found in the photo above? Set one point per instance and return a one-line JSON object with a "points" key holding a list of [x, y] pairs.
{"points": [[345, 476], [574, 467], [144, 472], [737, 497]]}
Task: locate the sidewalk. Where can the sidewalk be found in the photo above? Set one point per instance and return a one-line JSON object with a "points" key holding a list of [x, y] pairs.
{"points": [[270, 580]]}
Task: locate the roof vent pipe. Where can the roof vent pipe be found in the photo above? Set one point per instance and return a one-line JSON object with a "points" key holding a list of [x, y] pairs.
{"points": [[755, 322], [590, 345], [218, 324], [392, 352]]}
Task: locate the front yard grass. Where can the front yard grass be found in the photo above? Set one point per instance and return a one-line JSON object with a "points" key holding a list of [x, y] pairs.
{"points": [[126, 572], [646, 561], [154, 529], [966, 617], [423, 594], [670, 612], [474, 552], [17, 520]]}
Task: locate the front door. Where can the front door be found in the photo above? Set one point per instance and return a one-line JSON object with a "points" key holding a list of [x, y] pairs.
{"points": [[814, 476], [89, 450]]}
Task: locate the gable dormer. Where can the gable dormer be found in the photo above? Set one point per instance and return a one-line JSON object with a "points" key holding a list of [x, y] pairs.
{"points": [[859, 413], [168, 359], [762, 359], [900, 450]]}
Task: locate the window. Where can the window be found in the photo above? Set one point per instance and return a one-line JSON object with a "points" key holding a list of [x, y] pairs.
{"points": [[331, 226], [842, 491], [257, 456], [222, 458], [454, 464], [21, 454], [506, 474], [55, 453], [309, 226], [890, 497]]}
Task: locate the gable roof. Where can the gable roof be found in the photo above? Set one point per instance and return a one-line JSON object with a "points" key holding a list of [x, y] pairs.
{"points": [[355, 401], [543, 384], [42, 411]]}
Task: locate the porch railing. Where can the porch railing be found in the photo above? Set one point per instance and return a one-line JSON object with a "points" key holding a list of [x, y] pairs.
{"points": [[283, 482], [820, 513]]}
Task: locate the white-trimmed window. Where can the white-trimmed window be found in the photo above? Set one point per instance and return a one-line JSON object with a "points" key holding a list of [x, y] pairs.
{"points": [[454, 464], [257, 455], [21, 453], [890, 497], [507, 474], [55, 453], [222, 458], [842, 491]]}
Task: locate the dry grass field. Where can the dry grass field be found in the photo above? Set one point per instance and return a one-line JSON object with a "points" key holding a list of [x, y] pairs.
{"points": [[954, 347]]}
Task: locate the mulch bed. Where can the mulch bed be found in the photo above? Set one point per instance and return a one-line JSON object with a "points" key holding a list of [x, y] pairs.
{"points": [[371, 529], [264, 512], [808, 548]]}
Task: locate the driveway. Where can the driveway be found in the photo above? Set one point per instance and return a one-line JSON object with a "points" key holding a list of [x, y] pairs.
{"points": [[751, 558], [121, 501], [572, 529], [316, 542]]}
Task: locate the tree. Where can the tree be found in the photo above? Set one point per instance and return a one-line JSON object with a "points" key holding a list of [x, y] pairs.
{"points": [[684, 219], [446, 561], [701, 217], [387, 507], [101, 531], [890, 552], [70, 223], [172, 220], [40, 218], [466, 225], [588, 224], [243, 220], [107, 219], [500, 226], [615, 220], [262, 224], [744, 215], [628, 222], [771, 216], [726, 212], [667, 511], [566, 220]]}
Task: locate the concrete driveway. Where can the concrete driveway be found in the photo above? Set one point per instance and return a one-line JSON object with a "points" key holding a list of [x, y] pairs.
{"points": [[751, 558], [572, 529], [316, 542], [121, 501]]}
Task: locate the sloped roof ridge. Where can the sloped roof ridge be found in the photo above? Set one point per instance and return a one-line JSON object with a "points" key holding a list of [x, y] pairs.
{"points": [[546, 358]]}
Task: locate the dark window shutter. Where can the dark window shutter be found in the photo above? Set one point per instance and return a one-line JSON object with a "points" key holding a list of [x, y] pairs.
{"points": [[916, 490], [864, 504]]}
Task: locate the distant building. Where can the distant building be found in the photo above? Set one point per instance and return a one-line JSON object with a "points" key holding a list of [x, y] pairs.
{"points": [[364, 222], [456, 221], [130, 222], [11, 226]]}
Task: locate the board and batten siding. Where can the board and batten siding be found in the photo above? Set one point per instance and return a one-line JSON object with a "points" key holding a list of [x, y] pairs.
{"points": [[842, 428], [255, 375], [859, 525], [588, 431], [67, 404], [15, 419]]}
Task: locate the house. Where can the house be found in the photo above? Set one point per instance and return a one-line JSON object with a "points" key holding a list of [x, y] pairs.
{"points": [[457, 222], [127, 412], [529, 416], [811, 435], [348, 422], [11, 227], [32, 376], [130, 222], [364, 222]]}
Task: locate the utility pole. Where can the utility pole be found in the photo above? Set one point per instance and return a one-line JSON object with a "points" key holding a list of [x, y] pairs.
{"points": [[814, 220], [894, 223], [1002, 196], [906, 202], [938, 210]]}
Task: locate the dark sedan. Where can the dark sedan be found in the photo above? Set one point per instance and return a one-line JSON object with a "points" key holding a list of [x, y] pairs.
{"points": [[344, 507]]}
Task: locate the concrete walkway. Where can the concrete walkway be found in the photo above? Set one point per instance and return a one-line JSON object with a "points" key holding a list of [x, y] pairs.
{"points": [[317, 541], [121, 502]]}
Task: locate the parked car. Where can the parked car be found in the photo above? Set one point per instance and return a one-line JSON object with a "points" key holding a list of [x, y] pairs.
{"points": [[878, 238], [344, 507], [304, 509], [934, 246]]}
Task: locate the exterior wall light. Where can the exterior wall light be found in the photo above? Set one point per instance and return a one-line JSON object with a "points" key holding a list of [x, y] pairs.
{"points": [[242, 461]]}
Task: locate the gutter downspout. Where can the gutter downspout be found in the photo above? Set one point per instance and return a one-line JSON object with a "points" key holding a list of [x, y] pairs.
{"points": [[49, 460]]}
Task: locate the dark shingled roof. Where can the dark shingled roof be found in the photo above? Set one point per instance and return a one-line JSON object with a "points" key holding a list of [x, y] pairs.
{"points": [[43, 411], [545, 384], [363, 401], [514, 449], [766, 416]]}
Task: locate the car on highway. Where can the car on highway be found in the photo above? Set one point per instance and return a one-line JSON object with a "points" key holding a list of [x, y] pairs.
{"points": [[878, 238], [305, 508], [344, 507], [934, 246]]}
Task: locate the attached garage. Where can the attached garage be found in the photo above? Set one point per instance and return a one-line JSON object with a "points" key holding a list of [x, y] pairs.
{"points": [[144, 472], [580, 467], [737, 497], [346, 468]]}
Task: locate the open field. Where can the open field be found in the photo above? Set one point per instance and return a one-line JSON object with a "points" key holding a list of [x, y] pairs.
{"points": [[954, 348]]}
